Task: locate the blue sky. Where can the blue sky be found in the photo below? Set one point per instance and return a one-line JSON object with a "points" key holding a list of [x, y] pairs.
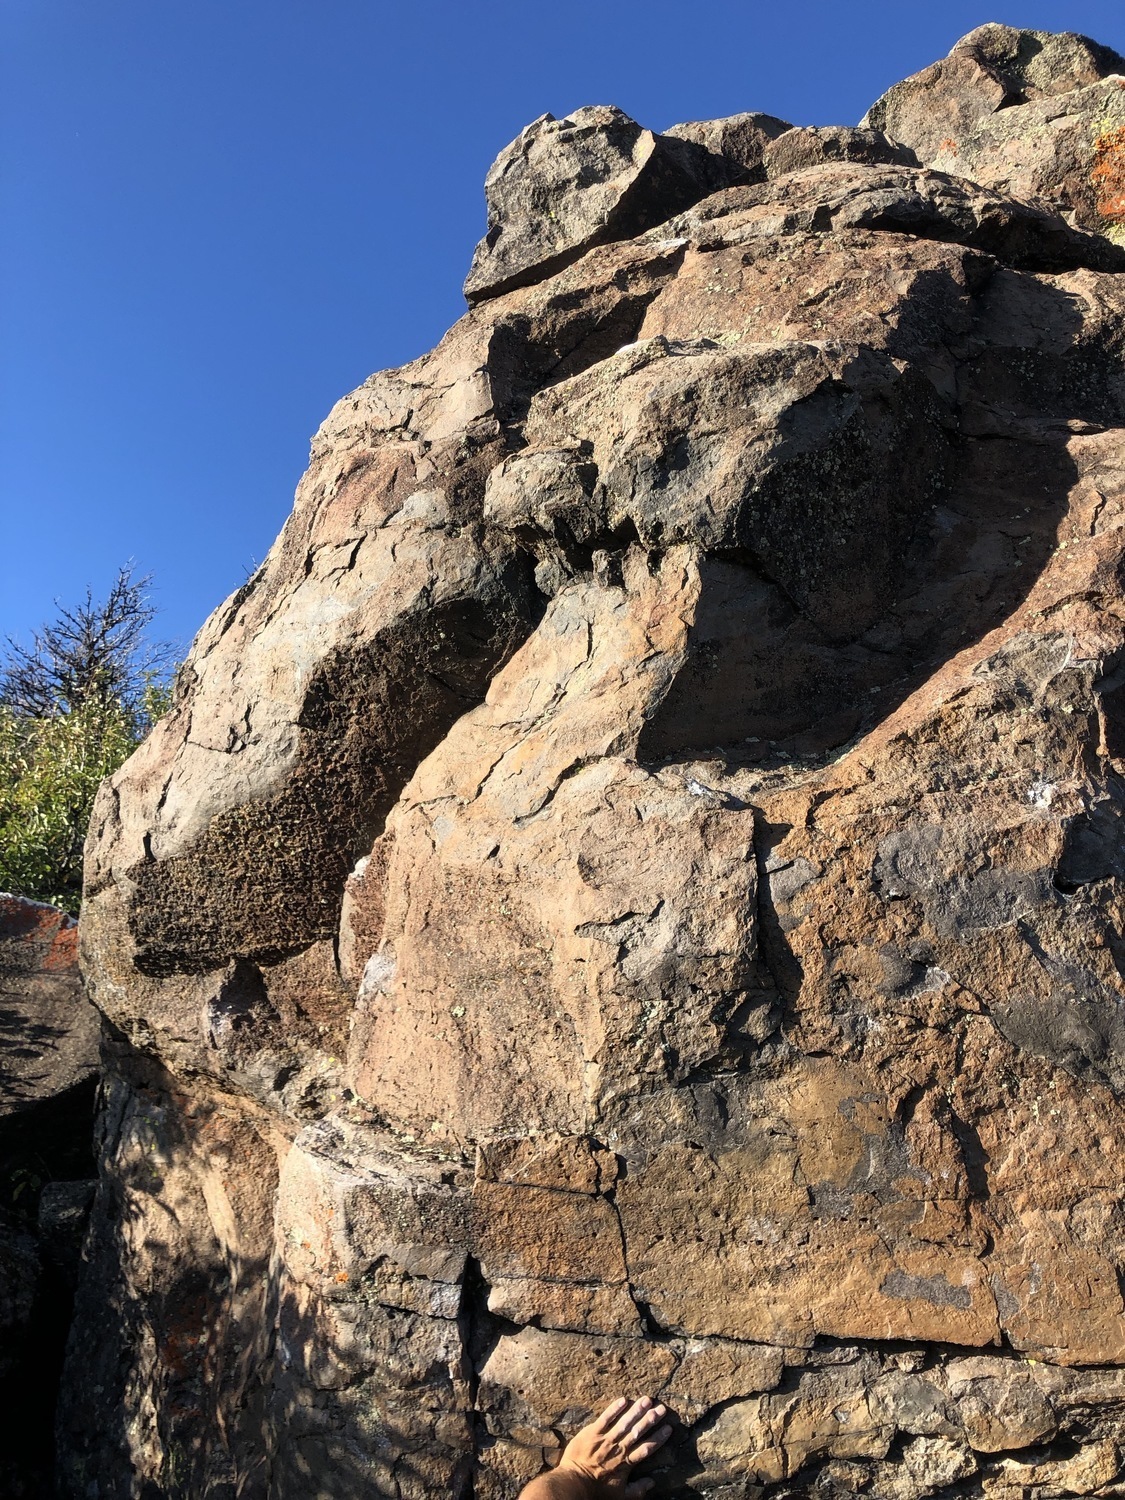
{"points": [[220, 215]]}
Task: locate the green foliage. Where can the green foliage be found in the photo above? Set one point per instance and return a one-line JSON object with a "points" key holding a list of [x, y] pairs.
{"points": [[73, 706], [50, 770]]}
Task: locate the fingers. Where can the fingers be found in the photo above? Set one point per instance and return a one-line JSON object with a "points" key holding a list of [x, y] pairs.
{"points": [[639, 1427], [646, 1423], [640, 1408], [623, 1435], [603, 1423], [646, 1450]]}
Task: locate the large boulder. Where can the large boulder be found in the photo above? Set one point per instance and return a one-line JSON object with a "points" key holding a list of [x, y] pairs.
{"points": [[992, 69], [1035, 114], [563, 186], [810, 146], [629, 895], [739, 142], [1067, 152]]}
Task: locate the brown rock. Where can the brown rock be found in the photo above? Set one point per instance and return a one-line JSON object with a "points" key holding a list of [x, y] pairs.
{"points": [[1088, 1472], [534, 1383], [671, 760], [770, 1438], [1034, 114], [990, 70], [899, 200], [1065, 152], [175, 1296], [612, 943], [740, 141], [811, 145], [50, 1031]]}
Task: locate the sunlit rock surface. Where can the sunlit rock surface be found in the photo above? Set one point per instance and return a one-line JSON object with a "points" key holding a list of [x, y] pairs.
{"points": [[630, 895]]}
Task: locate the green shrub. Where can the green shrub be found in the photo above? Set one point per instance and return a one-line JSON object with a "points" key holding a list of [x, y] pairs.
{"points": [[72, 708], [50, 770]]}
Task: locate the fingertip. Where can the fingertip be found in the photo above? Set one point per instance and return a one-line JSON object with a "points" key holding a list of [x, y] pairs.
{"points": [[606, 1419]]}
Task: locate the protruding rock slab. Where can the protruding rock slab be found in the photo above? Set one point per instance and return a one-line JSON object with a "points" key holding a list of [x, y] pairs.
{"points": [[840, 195], [1067, 151], [812, 145], [563, 186], [739, 143]]}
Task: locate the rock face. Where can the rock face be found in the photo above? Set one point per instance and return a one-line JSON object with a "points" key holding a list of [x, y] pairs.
{"points": [[564, 186], [630, 895], [48, 1059], [798, 148], [1035, 114], [50, 1030]]}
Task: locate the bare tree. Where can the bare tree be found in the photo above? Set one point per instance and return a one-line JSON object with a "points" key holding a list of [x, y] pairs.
{"points": [[93, 651]]}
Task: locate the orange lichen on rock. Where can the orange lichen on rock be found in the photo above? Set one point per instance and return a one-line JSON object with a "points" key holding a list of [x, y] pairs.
{"points": [[1108, 174]]}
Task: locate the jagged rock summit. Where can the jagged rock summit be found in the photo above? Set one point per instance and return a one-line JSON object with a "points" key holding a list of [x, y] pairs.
{"points": [[630, 894]]}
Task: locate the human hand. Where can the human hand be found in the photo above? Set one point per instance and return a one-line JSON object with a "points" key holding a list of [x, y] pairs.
{"points": [[607, 1448]]}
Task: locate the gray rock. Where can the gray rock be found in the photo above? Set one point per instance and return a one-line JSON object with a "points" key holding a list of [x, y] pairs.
{"points": [[808, 147], [19, 1280], [990, 69], [842, 195], [564, 186], [738, 143], [64, 1211]]}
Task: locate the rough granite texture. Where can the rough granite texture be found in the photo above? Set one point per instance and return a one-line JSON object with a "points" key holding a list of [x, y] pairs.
{"points": [[630, 895]]}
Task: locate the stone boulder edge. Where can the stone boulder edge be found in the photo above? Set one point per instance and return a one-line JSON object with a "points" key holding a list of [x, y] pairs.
{"points": [[564, 186], [1036, 114]]}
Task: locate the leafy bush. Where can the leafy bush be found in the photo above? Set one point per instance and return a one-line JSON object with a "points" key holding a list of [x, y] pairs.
{"points": [[72, 709]]}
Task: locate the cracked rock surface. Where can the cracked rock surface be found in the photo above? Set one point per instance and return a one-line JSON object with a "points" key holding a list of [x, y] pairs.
{"points": [[630, 895]]}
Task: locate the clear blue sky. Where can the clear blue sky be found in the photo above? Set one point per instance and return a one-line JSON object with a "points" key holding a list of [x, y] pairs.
{"points": [[218, 216]]}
